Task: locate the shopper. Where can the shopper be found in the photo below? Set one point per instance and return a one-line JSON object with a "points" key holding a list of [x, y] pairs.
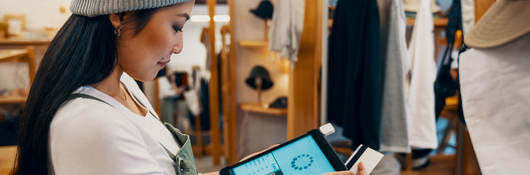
{"points": [[85, 114]]}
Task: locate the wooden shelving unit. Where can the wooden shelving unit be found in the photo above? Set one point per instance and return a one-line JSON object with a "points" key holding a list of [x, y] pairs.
{"points": [[263, 109], [438, 22], [254, 43], [304, 95], [302, 113]]}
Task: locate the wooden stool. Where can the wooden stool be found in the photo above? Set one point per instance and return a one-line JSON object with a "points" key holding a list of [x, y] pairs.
{"points": [[450, 112]]}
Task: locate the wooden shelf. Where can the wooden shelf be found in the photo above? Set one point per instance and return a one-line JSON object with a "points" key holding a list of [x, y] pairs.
{"points": [[263, 110], [438, 22], [25, 41], [12, 54], [254, 43], [12, 100]]}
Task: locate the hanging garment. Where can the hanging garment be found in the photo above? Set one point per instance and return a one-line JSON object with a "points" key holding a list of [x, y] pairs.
{"points": [[468, 14], [286, 28], [420, 98], [495, 96], [394, 135], [204, 98], [355, 77]]}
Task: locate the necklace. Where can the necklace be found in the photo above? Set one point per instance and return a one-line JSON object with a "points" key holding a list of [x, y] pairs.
{"points": [[123, 97]]}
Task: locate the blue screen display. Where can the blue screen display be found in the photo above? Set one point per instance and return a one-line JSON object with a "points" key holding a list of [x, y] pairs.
{"points": [[302, 157]]}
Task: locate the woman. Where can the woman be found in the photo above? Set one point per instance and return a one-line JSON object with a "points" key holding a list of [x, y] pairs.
{"points": [[85, 114]]}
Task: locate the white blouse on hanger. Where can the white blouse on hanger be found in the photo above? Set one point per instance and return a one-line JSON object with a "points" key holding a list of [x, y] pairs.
{"points": [[422, 127]]}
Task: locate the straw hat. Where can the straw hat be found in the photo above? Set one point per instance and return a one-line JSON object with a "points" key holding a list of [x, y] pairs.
{"points": [[505, 21]]}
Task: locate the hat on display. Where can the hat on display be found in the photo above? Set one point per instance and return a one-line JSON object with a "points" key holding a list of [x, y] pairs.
{"points": [[280, 102], [505, 21], [261, 73], [414, 6], [93, 8], [264, 10]]}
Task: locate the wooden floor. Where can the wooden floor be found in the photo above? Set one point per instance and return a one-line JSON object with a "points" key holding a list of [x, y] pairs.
{"points": [[7, 159], [440, 165]]}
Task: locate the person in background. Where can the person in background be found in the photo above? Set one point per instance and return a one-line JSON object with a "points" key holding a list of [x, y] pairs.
{"points": [[169, 94], [85, 114]]}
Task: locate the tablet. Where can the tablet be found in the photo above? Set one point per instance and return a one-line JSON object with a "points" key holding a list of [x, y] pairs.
{"points": [[307, 154]]}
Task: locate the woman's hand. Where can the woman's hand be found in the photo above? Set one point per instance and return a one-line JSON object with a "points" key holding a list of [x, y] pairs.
{"points": [[360, 170]]}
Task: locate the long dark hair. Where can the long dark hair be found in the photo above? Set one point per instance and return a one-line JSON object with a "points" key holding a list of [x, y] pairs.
{"points": [[83, 52]]}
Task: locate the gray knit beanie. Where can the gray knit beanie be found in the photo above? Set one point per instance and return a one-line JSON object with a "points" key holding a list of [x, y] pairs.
{"points": [[93, 8]]}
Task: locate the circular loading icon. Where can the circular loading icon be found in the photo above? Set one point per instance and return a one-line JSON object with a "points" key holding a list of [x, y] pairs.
{"points": [[302, 162]]}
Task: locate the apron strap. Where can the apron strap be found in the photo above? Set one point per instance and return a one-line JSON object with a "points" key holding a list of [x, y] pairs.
{"points": [[181, 166], [79, 95]]}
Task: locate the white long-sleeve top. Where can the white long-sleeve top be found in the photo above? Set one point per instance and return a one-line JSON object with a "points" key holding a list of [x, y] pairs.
{"points": [[420, 100], [91, 137]]}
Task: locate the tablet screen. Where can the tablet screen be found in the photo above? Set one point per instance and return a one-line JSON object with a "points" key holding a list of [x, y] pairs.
{"points": [[300, 157]]}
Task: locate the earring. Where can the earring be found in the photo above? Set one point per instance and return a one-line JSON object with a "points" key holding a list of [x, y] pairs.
{"points": [[174, 51], [117, 31]]}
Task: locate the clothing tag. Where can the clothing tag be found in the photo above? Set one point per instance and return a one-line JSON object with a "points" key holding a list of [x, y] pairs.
{"points": [[369, 157]]}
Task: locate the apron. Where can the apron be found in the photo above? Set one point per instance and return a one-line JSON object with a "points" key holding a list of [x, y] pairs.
{"points": [[183, 161]]}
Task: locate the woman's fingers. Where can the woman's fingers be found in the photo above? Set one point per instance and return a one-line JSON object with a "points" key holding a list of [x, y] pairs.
{"points": [[360, 169]]}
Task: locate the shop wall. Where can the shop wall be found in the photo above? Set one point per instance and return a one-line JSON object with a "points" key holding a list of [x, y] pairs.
{"points": [[249, 27], [194, 52], [39, 13]]}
